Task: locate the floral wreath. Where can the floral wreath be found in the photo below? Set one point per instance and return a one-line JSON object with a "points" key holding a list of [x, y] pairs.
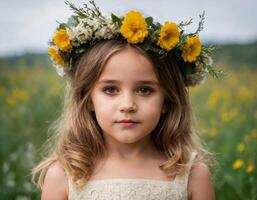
{"points": [[88, 26]]}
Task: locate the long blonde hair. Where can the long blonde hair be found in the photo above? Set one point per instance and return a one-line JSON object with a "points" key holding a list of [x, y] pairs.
{"points": [[77, 138]]}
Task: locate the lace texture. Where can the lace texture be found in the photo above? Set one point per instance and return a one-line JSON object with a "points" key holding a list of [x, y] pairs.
{"points": [[132, 189]]}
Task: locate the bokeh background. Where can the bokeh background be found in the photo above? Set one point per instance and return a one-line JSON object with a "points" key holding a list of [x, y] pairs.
{"points": [[226, 109]]}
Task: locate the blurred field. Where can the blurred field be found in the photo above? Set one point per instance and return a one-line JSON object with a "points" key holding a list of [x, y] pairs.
{"points": [[226, 110]]}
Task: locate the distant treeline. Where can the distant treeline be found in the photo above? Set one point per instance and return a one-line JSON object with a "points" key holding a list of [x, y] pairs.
{"points": [[237, 55], [231, 55], [28, 60]]}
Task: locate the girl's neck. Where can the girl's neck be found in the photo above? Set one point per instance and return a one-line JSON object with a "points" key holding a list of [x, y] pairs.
{"points": [[144, 164], [139, 150]]}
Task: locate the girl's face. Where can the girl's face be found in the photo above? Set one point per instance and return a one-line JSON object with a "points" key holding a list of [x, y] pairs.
{"points": [[127, 89]]}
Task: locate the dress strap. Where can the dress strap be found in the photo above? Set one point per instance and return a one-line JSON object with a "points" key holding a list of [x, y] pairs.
{"points": [[193, 155], [71, 187], [71, 190], [183, 178]]}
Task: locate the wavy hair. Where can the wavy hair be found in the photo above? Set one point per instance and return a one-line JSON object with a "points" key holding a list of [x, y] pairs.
{"points": [[77, 138]]}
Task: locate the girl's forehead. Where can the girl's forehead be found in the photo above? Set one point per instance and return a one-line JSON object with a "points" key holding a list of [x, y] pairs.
{"points": [[128, 63], [117, 81]]}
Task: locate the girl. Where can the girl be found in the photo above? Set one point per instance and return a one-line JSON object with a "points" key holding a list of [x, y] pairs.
{"points": [[126, 131]]}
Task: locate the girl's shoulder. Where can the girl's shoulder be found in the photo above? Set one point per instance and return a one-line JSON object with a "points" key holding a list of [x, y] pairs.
{"points": [[199, 183], [55, 185]]}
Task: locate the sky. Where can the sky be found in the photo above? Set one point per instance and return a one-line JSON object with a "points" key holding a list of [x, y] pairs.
{"points": [[27, 25]]}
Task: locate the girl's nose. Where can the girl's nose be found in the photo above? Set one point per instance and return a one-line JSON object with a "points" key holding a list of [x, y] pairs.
{"points": [[127, 103]]}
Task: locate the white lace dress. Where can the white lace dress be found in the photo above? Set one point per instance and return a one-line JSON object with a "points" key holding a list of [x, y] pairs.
{"points": [[132, 189]]}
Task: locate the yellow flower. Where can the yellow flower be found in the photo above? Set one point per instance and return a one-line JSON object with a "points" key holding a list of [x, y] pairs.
{"points": [[134, 27], [61, 40], [213, 132], [227, 116], [55, 56], [213, 99], [240, 147], [253, 134], [238, 164], [169, 36], [17, 97], [191, 49], [250, 168], [244, 95]]}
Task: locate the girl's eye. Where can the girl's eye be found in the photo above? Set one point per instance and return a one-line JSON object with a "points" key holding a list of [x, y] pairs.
{"points": [[145, 90], [141, 90], [109, 90]]}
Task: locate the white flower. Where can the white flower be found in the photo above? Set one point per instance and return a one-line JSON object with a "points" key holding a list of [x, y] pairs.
{"points": [[107, 31], [197, 78], [60, 70], [71, 33], [83, 33], [92, 29], [207, 60], [80, 34], [202, 64], [95, 23], [203, 79]]}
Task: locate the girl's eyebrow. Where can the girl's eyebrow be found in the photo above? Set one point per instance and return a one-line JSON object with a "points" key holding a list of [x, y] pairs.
{"points": [[151, 82]]}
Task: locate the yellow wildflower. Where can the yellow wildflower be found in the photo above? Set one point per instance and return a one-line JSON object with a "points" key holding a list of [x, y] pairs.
{"points": [[17, 97], [213, 99], [212, 132], [240, 147], [169, 36], [250, 168], [227, 116], [61, 40], [238, 164], [244, 95], [55, 56], [134, 27], [254, 134], [191, 49]]}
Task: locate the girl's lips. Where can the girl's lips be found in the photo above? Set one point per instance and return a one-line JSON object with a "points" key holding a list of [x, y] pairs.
{"points": [[128, 124], [127, 121]]}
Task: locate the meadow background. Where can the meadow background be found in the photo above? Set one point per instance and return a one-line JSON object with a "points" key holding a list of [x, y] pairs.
{"points": [[226, 109]]}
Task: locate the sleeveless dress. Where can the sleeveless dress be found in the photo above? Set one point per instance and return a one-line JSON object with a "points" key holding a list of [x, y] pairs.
{"points": [[133, 189]]}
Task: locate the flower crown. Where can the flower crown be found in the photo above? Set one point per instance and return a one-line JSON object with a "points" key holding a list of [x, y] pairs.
{"points": [[88, 26]]}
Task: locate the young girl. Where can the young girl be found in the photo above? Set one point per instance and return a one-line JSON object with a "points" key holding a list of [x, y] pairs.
{"points": [[126, 131]]}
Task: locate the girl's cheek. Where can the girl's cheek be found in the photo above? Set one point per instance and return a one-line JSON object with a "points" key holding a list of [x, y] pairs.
{"points": [[154, 103], [105, 104]]}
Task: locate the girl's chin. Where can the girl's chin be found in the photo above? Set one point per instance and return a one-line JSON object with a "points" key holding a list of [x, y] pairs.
{"points": [[129, 139]]}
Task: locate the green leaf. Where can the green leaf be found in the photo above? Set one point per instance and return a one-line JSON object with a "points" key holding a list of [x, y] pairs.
{"points": [[158, 25], [149, 21], [72, 22], [62, 26], [79, 50], [116, 19]]}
